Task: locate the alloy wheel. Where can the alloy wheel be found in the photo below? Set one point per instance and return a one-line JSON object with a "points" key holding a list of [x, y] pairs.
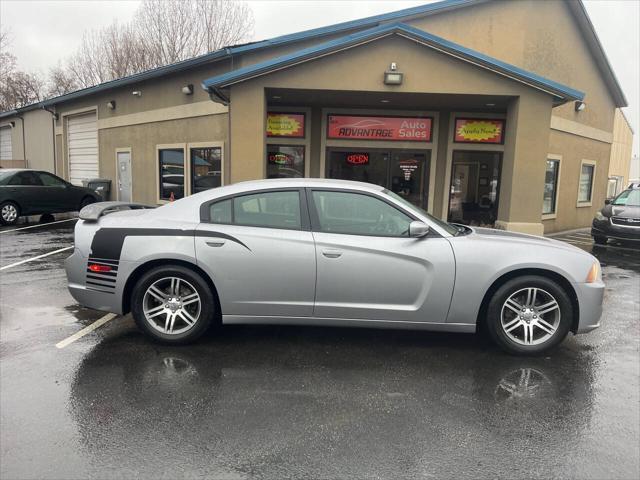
{"points": [[9, 213], [530, 316], [171, 305]]}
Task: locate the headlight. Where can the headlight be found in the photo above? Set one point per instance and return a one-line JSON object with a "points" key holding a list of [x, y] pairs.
{"points": [[600, 216], [594, 273]]}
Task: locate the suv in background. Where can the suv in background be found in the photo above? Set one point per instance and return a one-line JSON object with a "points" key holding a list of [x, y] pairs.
{"points": [[619, 218]]}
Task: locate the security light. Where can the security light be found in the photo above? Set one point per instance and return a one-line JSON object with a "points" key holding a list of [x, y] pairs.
{"points": [[580, 106], [392, 76], [136, 93], [188, 89], [111, 105]]}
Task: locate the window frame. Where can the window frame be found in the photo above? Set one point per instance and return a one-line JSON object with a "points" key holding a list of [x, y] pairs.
{"points": [[170, 146], [554, 214], [289, 145], [305, 223], [315, 218], [196, 145], [586, 203]]}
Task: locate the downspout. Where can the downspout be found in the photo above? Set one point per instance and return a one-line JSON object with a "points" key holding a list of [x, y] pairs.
{"points": [[24, 148], [54, 117]]}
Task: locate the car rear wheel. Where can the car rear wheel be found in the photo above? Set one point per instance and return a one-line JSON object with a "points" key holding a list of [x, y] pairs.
{"points": [[528, 315], [600, 240], [173, 304], [9, 213]]}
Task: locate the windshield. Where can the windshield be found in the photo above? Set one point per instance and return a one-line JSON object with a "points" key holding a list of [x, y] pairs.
{"points": [[444, 225], [630, 198]]}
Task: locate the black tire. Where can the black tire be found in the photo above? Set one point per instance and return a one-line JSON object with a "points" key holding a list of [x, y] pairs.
{"points": [[9, 220], [207, 304], [494, 315], [86, 201], [600, 240]]}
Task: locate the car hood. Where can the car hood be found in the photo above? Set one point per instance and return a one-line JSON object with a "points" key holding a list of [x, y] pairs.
{"points": [[513, 238], [626, 211]]}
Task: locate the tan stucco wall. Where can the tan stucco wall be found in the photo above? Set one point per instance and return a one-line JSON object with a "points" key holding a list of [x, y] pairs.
{"points": [[573, 150], [539, 36], [142, 140], [39, 139], [621, 148]]}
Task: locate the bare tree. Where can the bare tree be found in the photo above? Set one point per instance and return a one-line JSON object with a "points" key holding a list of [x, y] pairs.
{"points": [[60, 82], [17, 88], [161, 32]]}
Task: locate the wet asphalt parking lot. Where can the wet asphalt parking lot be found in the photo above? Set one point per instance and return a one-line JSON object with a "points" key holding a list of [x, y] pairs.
{"points": [[293, 402]]}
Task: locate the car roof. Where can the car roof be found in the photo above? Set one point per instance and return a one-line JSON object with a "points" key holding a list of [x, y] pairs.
{"points": [[305, 182]]}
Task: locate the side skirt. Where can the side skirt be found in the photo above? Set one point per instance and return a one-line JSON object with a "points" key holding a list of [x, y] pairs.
{"points": [[348, 322]]}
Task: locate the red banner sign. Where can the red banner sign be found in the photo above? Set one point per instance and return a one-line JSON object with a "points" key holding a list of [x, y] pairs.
{"points": [[403, 129], [358, 158], [479, 130]]}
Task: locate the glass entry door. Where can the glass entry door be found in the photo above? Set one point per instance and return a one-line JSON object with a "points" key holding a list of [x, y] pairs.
{"points": [[404, 172], [475, 188]]}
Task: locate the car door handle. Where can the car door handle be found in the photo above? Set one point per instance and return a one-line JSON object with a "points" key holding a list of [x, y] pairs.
{"points": [[332, 253], [216, 243]]}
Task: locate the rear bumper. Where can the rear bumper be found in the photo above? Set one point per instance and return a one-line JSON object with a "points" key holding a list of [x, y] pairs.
{"points": [[85, 295], [590, 297]]}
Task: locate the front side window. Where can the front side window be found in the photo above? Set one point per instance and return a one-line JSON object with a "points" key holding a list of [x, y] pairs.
{"points": [[358, 214], [268, 209], [206, 168], [50, 180], [586, 182], [171, 165], [550, 187], [285, 161]]}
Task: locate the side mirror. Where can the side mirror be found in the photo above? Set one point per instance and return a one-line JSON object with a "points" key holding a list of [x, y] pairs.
{"points": [[418, 229], [607, 201]]}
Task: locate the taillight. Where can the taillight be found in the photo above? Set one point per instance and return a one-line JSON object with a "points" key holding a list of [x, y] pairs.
{"points": [[99, 268]]}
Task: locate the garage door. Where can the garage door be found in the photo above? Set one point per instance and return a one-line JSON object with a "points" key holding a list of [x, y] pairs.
{"points": [[5, 144], [82, 147]]}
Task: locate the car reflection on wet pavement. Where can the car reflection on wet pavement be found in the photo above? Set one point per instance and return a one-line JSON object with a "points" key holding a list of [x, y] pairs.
{"points": [[282, 402]]}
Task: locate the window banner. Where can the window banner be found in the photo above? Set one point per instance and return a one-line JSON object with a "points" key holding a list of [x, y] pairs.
{"points": [[479, 130], [403, 129], [290, 125]]}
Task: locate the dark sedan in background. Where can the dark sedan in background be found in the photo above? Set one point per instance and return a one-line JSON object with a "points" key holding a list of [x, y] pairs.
{"points": [[619, 219], [32, 192]]}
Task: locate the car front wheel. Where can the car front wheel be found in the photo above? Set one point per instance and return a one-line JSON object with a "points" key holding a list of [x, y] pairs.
{"points": [[9, 213], [528, 315], [173, 304]]}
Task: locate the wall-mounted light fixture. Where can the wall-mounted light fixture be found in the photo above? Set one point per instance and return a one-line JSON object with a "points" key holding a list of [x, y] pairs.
{"points": [[111, 104], [392, 76], [188, 89], [580, 106], [136, 93], [12, 124]]}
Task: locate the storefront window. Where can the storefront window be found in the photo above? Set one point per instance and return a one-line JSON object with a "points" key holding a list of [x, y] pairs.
{"points": [[586, 182], [285, 161], [550, 187], [206, 168], [171, 165], [475, 185]]}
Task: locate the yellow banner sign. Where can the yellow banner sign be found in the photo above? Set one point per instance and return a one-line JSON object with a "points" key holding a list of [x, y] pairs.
{"points": [[479, 131], [285, 125]]}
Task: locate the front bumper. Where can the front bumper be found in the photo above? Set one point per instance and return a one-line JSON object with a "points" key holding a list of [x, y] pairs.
{"points": [[590, 297], [604, 228]]}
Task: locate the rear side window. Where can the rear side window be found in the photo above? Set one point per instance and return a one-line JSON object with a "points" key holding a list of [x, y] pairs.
{"points": [[268, 209], [264, 209], [220, 212]]}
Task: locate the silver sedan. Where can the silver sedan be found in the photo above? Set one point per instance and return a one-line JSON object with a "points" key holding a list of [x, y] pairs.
{"points": [[325, 252]]}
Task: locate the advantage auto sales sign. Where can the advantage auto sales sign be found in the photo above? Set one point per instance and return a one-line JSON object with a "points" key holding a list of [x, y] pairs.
{"points": [[399, 129]]}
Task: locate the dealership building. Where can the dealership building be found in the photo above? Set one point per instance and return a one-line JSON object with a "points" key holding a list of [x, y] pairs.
{"points": [[483, 112]]}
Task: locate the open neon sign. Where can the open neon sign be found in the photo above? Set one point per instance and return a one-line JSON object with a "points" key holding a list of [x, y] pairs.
{"points": [[358, 158]]}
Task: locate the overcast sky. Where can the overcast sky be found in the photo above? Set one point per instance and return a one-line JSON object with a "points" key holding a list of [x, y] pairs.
{"points": [[45, 32]]}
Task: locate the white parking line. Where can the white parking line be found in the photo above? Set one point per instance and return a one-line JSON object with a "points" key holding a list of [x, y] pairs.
{"points": [[39, 225], [11, 265], [90, 328]]}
